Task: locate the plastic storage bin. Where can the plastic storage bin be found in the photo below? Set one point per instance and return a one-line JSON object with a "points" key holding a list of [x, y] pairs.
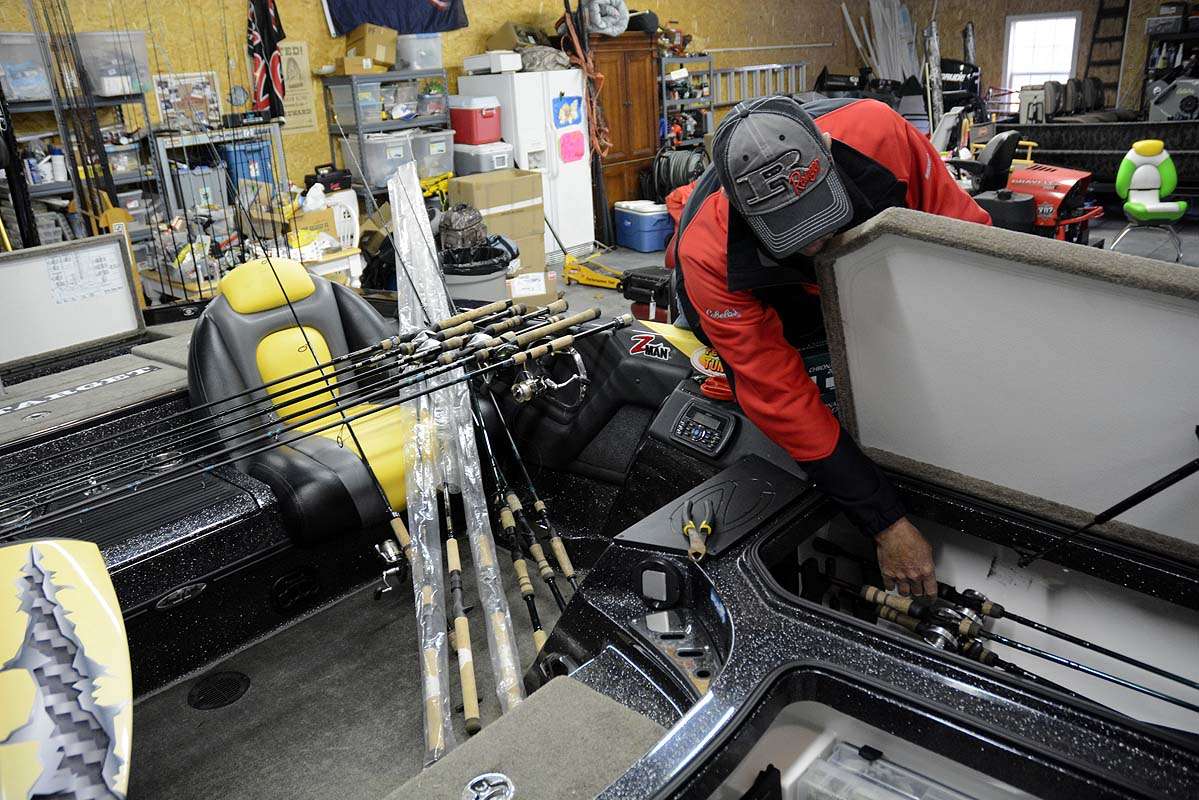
{"points": [[476, 119], [384, 153], [418, 51], [122, 158], [643, 226], [22, 73], [434, 152], [201, 185], [431, 105], [117, 61], [368, 97], [248, 160], [470, 159]]}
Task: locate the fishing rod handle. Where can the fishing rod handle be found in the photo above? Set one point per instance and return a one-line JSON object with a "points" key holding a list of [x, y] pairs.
{"points": [[903, 620], [514, 502], [532, 335], [539, 639], [473, 314], [561, 556], [399, 530], [466, 673], [507, 521], [457, 330], [388, 343], [554, 346], [522, 576]]}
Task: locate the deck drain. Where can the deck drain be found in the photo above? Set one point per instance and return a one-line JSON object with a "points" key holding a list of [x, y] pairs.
{"points": [[218, 690]]}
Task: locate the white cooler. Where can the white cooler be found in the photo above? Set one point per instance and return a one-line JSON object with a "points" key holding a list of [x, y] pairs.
{"points": [[473, 158]]}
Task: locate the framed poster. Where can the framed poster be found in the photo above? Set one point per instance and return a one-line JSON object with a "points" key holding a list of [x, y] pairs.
{"points": [[300, 102], [188, 101]]}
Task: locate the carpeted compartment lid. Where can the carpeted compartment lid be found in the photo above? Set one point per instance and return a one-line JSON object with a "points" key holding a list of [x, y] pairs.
{"points": [[1046, 376], [565, 742]]}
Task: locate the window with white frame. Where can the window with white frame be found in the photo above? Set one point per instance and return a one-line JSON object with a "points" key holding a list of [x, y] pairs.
{"points": [[1040, 47]]}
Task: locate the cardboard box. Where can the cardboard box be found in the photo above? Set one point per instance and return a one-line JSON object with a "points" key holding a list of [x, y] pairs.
{"points": [[323, 221], [372, 41], [354, 65], [534, 288], [508, 199], [532, 253]]}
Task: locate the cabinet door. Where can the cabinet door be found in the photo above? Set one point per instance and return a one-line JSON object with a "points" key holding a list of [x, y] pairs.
{"points": [[641, 99], [611, 64]]}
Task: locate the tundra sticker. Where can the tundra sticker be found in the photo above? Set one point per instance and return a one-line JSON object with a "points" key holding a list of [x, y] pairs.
{"points": [[647, 344]]}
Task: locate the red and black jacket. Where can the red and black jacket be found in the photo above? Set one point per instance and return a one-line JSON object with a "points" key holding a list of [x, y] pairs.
{"points": [[755, 310]]}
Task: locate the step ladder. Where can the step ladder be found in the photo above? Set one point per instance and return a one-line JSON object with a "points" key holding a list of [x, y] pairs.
{"points": [[1106, 56]]}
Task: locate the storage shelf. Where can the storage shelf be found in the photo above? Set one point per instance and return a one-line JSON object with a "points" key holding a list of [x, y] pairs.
{"points": [[33, 106], [384, 126], [686, 59], [56, 188], [385, 77], [1174, 37], [691, 102]]}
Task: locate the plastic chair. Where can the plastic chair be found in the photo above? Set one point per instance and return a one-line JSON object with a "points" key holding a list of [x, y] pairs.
{"points": [[1147, 176]]}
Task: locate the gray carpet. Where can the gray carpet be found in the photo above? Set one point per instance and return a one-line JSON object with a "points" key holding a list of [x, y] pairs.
{"points": [[333, 709], [566, 742]]}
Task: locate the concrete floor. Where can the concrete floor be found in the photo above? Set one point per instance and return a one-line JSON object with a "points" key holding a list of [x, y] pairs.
{"points": [[609, 301], [1149, 243]]}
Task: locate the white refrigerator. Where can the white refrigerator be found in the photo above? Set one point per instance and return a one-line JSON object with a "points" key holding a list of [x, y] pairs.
{"points": [[543, 117]]}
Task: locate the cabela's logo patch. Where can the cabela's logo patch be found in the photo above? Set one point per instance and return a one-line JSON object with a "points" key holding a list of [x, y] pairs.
{"points": [[647, 344], [722, 313], [801, 179], [707, 361]]}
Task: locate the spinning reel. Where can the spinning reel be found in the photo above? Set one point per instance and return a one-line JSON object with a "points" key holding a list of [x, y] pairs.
{"points": [[539, 379]]}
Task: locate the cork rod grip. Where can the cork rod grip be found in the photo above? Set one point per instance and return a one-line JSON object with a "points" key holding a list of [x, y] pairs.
{"points": [[453, 561], [891, 615], [474, 313], [534, 334], [434, 741], [522, 577], [543, 567], [457, 330], [466, 671], [561, 343], [875, 595], [561, 556], [401, 534], [539, 638]]}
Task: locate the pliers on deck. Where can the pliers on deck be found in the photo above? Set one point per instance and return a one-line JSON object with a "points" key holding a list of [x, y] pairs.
{"points": [[697, 533]]}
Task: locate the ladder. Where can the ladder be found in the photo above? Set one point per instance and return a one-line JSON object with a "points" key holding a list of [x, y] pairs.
{"points": [[731, 85], [1106, 55]]}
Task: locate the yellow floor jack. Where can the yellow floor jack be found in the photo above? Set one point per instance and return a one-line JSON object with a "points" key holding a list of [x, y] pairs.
{"points": [[587, 271]]}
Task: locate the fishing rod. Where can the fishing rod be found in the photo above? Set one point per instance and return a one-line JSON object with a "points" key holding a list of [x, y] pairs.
{"points": [[279, 400], [532, 546], [931, 612], [182, 472], [337, 400], [979, 603], [462, 643], [1134, 499], [557, 546], [402, 345], [508, 525], [522, 534]]}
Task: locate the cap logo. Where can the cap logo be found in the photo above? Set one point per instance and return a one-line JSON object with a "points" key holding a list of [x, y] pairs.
{"points": [[801, 179], [770, 180]]}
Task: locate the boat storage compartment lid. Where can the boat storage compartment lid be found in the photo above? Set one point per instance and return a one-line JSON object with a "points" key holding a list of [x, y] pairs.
{"points": [[1041, 375]]}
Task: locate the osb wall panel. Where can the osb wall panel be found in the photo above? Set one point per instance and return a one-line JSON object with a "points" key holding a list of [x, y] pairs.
{"points": [[193, 35]]}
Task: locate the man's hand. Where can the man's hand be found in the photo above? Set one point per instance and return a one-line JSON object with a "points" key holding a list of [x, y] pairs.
{"points": [[906, 559]]}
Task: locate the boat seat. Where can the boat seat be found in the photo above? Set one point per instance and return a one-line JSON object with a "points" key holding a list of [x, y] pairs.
{"points": [[1147, 176], [248, 336]]}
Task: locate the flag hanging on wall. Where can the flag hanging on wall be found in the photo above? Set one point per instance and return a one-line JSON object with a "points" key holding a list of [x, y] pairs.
{"points": [[264, 31]]}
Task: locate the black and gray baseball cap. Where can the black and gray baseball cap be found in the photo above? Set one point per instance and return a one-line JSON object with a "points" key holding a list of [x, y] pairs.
{"points": [[778, 174]]}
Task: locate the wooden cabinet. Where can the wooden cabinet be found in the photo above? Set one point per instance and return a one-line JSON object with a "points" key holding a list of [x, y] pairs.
{"points": [[630, 102]]}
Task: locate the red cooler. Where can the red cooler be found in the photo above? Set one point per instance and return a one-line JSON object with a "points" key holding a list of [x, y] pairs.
{"points": [[475, 120]]}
